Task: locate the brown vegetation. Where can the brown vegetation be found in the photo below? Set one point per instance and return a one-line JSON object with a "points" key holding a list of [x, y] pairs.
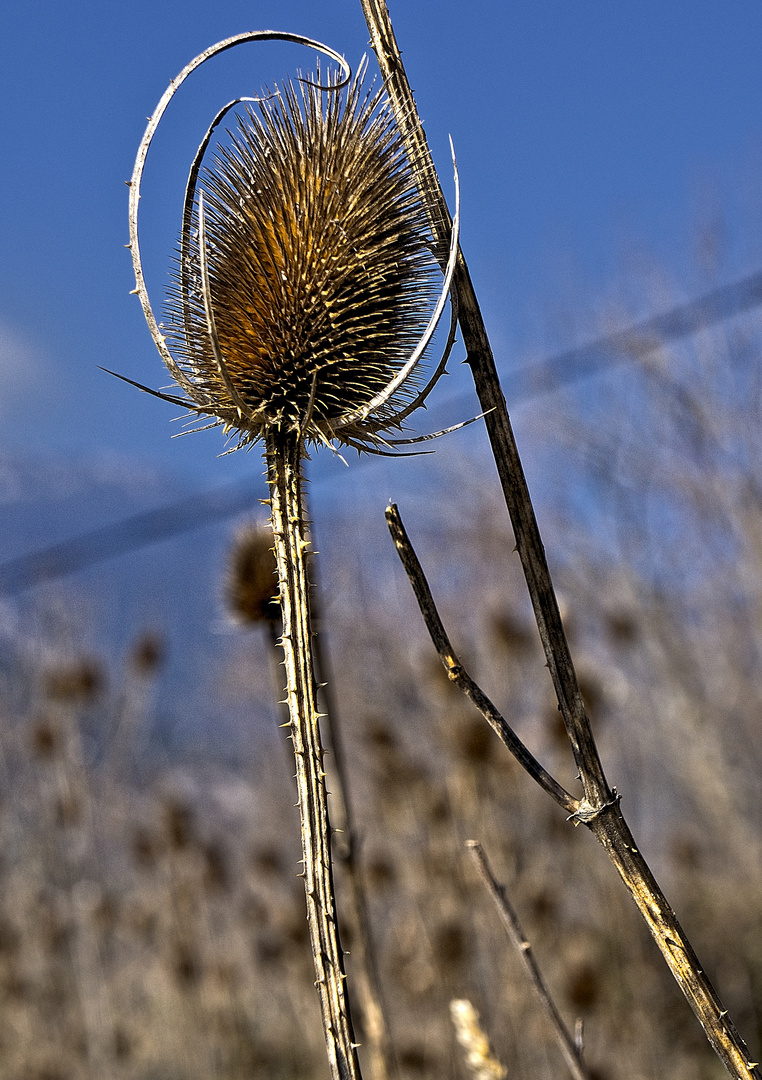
{"points": [[157, 929]]}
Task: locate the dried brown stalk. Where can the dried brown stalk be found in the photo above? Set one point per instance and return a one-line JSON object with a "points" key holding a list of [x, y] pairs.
{"points": [[346, 850], [599, 808], [283, 453], [510, 920], [310, 208], [250, 584]]}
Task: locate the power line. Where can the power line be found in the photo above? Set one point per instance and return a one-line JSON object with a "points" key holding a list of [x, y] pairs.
{"points": [[129, 534], [637, 342], [519, 385]]}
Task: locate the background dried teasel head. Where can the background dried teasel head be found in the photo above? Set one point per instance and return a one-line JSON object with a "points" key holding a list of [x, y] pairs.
{"points": [[251, 584]]}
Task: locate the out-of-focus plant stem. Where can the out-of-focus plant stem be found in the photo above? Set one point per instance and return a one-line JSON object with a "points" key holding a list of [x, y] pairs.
{"points": [[520, 942], [365, 978]]}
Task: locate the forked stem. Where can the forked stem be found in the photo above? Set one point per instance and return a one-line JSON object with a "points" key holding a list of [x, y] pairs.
{"points": [[610, 829], [599, 809], [283, 455]]}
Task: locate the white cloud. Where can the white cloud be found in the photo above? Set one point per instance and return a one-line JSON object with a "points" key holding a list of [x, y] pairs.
{"points": [[20, 364]]}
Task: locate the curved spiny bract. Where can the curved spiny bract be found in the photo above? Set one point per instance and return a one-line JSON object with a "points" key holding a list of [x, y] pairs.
{"points": [[136, 181], [316, 279]]}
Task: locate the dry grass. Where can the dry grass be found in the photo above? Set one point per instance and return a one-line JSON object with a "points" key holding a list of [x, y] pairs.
{"points": [[155, 927]]}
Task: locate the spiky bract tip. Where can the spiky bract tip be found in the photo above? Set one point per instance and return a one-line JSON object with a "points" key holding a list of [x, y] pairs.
{"points": [[319, 266]]}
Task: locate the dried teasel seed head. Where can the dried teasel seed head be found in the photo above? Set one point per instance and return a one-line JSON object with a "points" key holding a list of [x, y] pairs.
{"points": [[307, 276], [46, 739], [179, 824], [252, 577], [148, 654], [306, 270], [77, 682]]}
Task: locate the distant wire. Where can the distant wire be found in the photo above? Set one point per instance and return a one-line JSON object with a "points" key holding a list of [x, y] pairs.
{"points": [[635, 343], [520, 384], [126, 535]]}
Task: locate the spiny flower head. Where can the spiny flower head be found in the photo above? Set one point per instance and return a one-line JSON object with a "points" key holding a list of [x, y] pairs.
{"points": [[306, 271], [309, 260]]}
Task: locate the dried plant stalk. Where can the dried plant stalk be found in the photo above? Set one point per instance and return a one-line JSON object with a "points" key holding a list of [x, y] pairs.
{"points": [[303, 302], [481, 1062], [611, 830], [599, 808], [365, 976], [250, 584], [510, 921], [283, 453]]}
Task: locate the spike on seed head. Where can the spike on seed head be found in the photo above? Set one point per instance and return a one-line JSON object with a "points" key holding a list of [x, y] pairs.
{"points": [[307, 275]]}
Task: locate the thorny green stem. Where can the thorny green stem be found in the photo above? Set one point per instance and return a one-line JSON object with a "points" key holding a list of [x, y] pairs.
{"points": [[283, 455], [599, 809]]}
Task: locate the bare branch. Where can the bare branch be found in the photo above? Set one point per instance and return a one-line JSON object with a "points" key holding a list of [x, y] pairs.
{"points": [[457, 673], [479, 357], [571, 1051]]}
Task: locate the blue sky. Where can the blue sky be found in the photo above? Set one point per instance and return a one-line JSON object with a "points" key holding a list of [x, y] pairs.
{"points": [[583, 131]]}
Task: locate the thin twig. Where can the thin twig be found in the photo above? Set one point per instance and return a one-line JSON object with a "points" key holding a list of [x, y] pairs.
{"points": [[510, 921], [458, 674]]}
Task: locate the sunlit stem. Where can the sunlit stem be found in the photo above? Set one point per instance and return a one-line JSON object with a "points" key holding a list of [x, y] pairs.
{"points": [[283, 455]]}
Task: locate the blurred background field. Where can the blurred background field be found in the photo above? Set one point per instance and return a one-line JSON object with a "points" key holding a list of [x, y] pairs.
{"points": [[151, 916], [152, 919]]}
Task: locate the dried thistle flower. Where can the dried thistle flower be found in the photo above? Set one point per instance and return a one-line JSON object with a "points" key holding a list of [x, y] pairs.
{"points": [[304, 293], [251, 584], [45, 739], [79, 681], [320, 275], [148, 653]]}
